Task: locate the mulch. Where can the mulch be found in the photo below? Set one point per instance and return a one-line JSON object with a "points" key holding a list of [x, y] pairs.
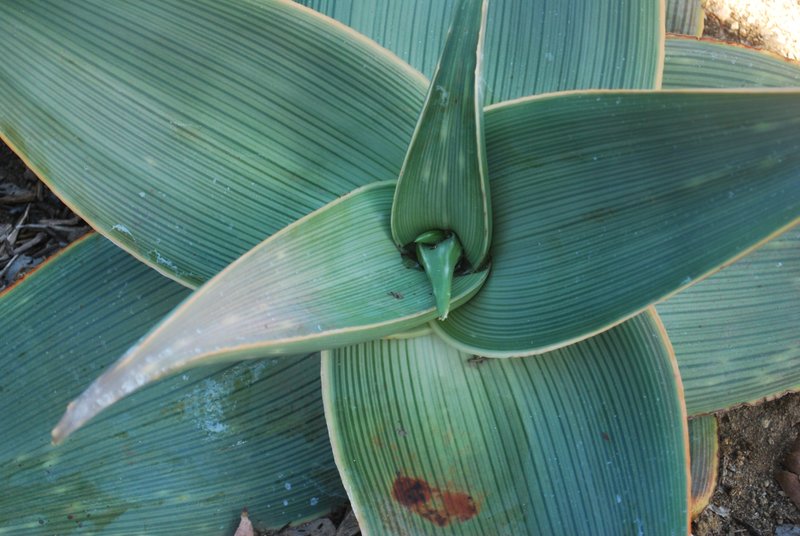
{"points": [[34, 223]]}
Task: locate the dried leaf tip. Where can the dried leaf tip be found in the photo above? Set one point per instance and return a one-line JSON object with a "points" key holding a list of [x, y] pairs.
{"points": [[245, 525]]}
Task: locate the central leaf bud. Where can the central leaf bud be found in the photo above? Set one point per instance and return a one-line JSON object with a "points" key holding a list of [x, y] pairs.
{"points": [[439, 253]]}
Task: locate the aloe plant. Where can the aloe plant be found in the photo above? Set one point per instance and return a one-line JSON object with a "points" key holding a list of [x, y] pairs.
{"points": [[477, 257]]}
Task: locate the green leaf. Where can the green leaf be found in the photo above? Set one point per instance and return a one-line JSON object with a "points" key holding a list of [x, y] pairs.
{"points": [[607, 202], [729, 359], [590, 439], [685, 17], [440, 262], [735, 334], [444, 182], [182, 457], [692, 63], [532, 47], [330, 279], [704, 455], [415, 30], [147, 116]]}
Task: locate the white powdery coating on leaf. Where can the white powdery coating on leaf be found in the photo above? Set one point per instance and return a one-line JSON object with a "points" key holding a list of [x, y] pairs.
{"points": [[163, 261], [122, 229], [207, 407]]}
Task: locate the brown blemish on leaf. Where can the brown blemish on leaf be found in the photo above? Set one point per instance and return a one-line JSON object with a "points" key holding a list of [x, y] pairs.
{"points": [[177, 408], [395, 295], [599, 214], [605, 436], [440, 507], [477, 360], [411, 492], [459, 505]]}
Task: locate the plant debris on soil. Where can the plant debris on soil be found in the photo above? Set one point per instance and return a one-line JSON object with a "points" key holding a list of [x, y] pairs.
{"points": [[34, 223], [754, 440]]}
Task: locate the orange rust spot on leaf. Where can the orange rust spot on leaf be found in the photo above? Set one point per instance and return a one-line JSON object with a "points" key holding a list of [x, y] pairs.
{"points": [[440, 507], [459, 505], [411, 492]]}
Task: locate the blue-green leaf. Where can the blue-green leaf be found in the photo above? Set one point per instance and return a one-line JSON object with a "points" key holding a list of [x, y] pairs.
{"points": [[590, 439], [186, 455]]}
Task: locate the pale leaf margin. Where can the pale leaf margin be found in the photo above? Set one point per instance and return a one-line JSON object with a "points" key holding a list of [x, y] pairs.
{"points": [[134, 370], [540, 350]]}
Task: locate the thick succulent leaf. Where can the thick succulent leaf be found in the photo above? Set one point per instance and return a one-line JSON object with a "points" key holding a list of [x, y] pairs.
{"points": [[729, 359], [183, 457], [330, 279], [415, 30], [590, 439], [685, 17], [532, 47], [704, 454], [444, 182], [145, 117], [693, 63], [735, 334], [607, 202]]}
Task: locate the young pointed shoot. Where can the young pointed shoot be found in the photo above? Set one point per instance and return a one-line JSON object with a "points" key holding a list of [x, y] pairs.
{"points": [[444, 182], [439, 254]]}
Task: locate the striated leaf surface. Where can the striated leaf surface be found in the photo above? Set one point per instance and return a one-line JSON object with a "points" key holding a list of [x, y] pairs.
{"points": [[704, 454], [694, 63], [685, 17], [332, 278], [735, 334], [444, 183], [182, 457], [145, 117], [590, 439], [535, 46], [607, 202]]}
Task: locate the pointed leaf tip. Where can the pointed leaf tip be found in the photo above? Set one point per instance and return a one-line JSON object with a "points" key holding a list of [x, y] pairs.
{"points": [[245, 527], [91, 402], [280, 299], [439, 260]]}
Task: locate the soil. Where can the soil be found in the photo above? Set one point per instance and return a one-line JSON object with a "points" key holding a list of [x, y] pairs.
{"points": [[34, 223], [748, 500], [770, 24], [753, 440]]}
